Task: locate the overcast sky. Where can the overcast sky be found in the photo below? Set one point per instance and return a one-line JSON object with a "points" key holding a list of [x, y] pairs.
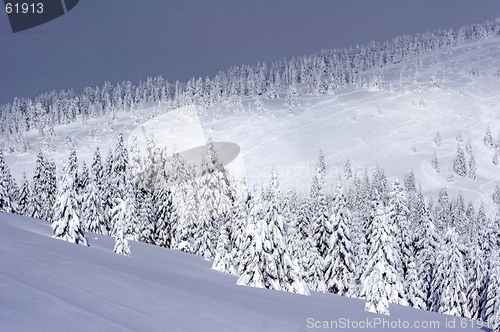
{"points": [[116, 40]]}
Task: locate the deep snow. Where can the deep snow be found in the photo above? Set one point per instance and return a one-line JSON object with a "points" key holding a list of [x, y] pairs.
{"points": [[51, 285]]}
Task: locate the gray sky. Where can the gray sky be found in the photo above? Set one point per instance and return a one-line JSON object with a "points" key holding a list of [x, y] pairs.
{"points": [[116, 40]]}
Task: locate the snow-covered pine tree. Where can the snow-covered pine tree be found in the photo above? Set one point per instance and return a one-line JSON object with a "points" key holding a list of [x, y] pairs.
{"points": [[433, 84], [449, 284], [472, 166], [409, 182], [443, 211], [134, 223], [437, 140], [23, 200], [468, 147], [67, 224], [476, 269], [183, 233], [239, 222], [120, 217], [347, 170], [8, 195], [496, 195], [92, 208], [288, 274], [83, 180], [202, 234], [321, 227], [339, 261], [120, 165], [321, 167], [435, 162], [488, 140], [427, 245], [250, 267], [108, 190], [415, 295], [223, 260], [382, 282], [145, 214], [398, 215], [458, 215], [459, 163], [491, 294], [312, 265], [265, 262], [36, 204], [165, 214]]}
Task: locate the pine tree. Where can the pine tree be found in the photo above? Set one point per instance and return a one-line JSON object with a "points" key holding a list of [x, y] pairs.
{"points": [[239, 222], [321, 227], [437, 140], [203, 233], [83, 180], [250, 267], [266, 262], [92, 209], [108, 190], [347, 169], [443, 211], [468, 147], [488, 140], [321, 167], [382, 283], [476, 277], [120, 218], [24, 197], [472, 167], [35, 206], [435, 162], [165, 215], [458, 215], [414, 292], [427, 245], [223, 260], [119, 170], [449, 285], [409, 182], [187, 208], [146, 217], [459, 163], [67, 224], [339, 269], [491, 295], [398, 215], [312, 266], [7, 185], [496, 195]]}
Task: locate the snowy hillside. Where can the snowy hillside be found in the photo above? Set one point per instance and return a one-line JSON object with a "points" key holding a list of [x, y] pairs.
{"points": [[371, 126], [52, 285]]}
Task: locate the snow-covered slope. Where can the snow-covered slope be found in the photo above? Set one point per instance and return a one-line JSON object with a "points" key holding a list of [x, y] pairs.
{"points": [[51, 285], [384, 127], [394, 127]]}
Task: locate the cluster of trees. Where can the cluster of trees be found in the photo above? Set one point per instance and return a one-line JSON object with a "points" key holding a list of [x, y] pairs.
{"points": [[460, 165], [386, 243], [320, 73]]}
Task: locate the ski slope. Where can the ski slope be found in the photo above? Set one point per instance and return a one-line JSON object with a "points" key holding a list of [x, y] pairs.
{"points": [[51, 285]]}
